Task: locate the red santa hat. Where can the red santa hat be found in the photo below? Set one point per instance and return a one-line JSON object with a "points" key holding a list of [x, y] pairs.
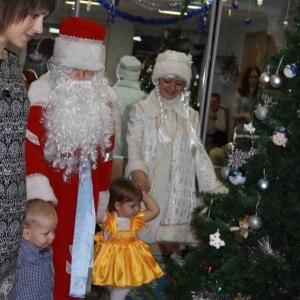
{"points": [[80, 44], [172, 63]]}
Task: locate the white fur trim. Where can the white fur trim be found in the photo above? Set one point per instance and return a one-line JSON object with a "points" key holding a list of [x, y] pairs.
{"points": [[172, 67], [102, 205], [79, 53], [179, 233], [38, 186], [136, 165], [40, 89]]}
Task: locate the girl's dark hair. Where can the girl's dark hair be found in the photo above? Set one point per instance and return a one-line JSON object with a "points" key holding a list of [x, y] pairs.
{"points": [[123, 190], [244, 89], [15, 11]]}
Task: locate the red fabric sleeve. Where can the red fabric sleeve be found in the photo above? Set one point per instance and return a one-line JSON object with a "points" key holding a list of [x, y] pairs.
{"points": [[105, 169], [35, 163]]}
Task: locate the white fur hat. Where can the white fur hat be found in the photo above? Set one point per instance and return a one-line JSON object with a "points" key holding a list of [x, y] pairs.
{"points": [[129, 68], [80, 44], [173, 63]]}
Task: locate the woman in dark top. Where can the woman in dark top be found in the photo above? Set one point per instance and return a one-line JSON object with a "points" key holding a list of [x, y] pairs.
{"points": [[20, 20]]}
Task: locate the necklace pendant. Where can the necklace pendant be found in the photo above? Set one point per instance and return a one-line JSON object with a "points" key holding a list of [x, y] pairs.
{"points": [[6, 93]]}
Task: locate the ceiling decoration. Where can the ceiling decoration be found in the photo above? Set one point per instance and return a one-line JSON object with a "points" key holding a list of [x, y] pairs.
{"points": [[156, 5]]}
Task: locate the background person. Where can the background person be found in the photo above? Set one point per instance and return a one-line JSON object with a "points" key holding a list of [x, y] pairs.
{"points": [[20, 20], [69, 147], [128, 92], [245, 98], [216, 124], [45, 50], [35, 272]]}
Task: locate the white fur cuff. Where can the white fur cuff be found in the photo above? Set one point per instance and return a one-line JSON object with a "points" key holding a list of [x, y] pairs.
{"points": [[134, 165], [38, 186]]}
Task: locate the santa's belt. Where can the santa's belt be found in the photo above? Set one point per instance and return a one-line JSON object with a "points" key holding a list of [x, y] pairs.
{"points": [[107, 157]]}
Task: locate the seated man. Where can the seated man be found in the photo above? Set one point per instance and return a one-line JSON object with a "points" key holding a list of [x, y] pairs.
{"points": [[216, 126]]}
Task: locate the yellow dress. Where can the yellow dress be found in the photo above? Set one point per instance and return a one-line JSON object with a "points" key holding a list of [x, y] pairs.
{"points": [[122, 259]]}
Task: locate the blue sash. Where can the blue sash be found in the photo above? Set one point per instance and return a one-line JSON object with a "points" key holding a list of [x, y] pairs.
{"points": [[83, 241]]}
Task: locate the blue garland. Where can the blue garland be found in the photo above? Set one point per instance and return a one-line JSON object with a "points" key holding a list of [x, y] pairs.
{"points": [[138, 19]]}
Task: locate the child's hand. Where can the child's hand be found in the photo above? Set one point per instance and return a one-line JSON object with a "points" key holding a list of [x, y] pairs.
{"points": [[152, 208]]}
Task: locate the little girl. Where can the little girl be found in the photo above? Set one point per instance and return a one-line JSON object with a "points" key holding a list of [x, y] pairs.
{"points": [[121, 260]]}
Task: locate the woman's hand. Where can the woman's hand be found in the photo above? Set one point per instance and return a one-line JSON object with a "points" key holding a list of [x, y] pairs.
{"points": [[140, 178]]}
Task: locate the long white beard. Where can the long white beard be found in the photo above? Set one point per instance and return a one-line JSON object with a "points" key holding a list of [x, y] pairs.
{"points": [[79, 122]]}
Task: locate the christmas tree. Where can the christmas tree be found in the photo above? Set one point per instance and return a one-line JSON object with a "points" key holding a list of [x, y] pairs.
{"points": [[250, 238]]}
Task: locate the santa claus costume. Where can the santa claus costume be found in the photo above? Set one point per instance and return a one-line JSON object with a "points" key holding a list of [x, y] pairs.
{"points": [[69, 147]]}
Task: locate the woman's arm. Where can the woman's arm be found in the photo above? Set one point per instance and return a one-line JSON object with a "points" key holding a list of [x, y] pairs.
{"points": [[136, 167]]}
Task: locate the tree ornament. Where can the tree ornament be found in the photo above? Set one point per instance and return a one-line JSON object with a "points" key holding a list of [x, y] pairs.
{"points": [[234, 4], [248, 21], [177, 259], [279, 137], [237, 159], [268, 101], [205, 295], [264, 78], [237, 176], [243, 228], [255, 222], [208, 267], [225, 172], [261, 113], [249, 127], [149, 69], [290, 71], [230, 147], [276, 81], [263, 185], [215, 240], [266, 247]]}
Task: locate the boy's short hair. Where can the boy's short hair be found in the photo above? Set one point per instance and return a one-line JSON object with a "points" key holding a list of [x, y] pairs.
{"points": [[37, 208]]}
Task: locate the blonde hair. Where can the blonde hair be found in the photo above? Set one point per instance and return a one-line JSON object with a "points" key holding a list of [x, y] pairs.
{"points": [[36, 209]]}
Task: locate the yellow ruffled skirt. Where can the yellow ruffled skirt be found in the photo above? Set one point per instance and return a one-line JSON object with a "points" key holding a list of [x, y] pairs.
{"points": [[123, 260]]}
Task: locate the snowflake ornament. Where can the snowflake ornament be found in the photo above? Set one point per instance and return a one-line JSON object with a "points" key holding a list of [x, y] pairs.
{"points": [[237, 158], [249, 127], [214, 240], [268, 101]]}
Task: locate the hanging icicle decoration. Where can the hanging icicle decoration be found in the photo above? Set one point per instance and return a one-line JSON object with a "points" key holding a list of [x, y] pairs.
{"points": [[248, 20], [285, 22]]}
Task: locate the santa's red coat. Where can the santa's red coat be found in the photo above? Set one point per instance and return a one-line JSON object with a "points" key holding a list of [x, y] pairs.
{"points": [[47, 183]]}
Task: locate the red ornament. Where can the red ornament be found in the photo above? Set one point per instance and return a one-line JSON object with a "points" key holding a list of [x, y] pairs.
{"points": [[208, 267]]}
